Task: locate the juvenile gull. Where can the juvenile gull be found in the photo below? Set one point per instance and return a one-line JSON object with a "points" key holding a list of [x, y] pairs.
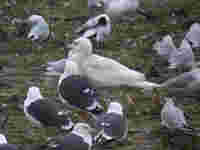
{"points": [[177, 57], [4, 144], [77, 92], [43, 112], [172, 117], [79, 139], [39, 28], [113, 125], [98, 27], [193, 35], [103, 71]]}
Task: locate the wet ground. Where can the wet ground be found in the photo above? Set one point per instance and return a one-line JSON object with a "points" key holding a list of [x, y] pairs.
{"points": [[131, 44]]}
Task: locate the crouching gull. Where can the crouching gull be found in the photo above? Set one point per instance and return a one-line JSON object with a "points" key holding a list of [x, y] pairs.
{"points": [[4, 144], [98, 27], [78, 93], [80, 138], [39, 28], [102, 71], [177, 57], [43, 112], [112, 125]]}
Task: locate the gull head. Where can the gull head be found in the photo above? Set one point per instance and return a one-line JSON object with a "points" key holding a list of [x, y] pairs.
{"points": [[115, 107], [80, 46], [33, 94]]}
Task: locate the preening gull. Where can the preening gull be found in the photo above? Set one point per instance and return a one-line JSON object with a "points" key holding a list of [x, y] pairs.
{"points": [[102, 71], [112, 125], [4, 144], [43, 112], [98, 27], [77, 92], [193, 35], [177, 57], [79, 139], [39, 28], [172, 117]]}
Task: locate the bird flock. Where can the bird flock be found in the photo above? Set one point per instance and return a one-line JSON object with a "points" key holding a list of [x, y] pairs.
{"points": [[83, 73]]}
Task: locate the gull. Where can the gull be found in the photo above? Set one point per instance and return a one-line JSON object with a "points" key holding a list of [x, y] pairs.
{"points": [[185, 84], [112, 125], [177, 57], [102, 71], [80, 138], [43, 112], [193, 35], [98, 27], [78, 93], [172, 117], [39, 28], [118, 8], [4, 144]]}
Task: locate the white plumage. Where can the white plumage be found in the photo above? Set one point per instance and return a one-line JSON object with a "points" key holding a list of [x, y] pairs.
{"points": [[103, 71]]}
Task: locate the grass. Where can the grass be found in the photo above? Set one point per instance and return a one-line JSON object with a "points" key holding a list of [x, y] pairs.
{"points": [[139, 117]]}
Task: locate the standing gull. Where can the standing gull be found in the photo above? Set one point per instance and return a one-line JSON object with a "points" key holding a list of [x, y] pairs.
{"points": [[4, 144], [78, 93], [43, 112], [103, 71], [113, 125], [79, 139], [39, 28], [98, 27], [177, 57]]}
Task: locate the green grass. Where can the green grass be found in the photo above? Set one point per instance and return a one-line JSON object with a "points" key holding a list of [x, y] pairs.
{"points": [[64, 30]]}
